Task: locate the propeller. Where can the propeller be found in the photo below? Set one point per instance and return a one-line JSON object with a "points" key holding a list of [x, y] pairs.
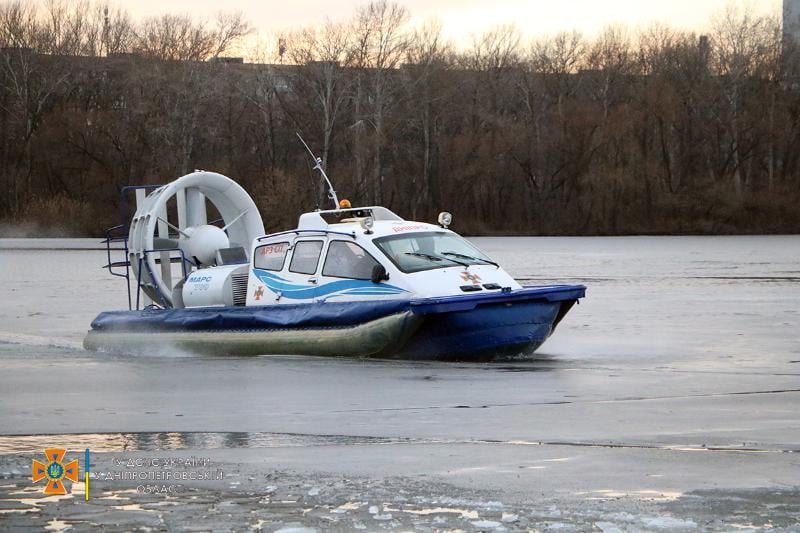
{"points": [[199, 241]]}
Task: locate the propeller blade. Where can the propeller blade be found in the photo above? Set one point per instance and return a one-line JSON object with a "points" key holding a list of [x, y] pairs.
{"points": [[234, 221], [174, 227]]}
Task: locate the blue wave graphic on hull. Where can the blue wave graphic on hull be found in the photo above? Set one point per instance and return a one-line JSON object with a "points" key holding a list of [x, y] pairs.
{"points": [[335, 288]]}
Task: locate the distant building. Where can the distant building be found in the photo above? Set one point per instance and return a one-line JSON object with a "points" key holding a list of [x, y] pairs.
{"points": [[791, 22], [228, 60]]}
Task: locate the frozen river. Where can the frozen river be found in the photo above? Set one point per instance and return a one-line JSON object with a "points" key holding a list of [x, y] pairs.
{"points": [[670, 393], [688, 302]]}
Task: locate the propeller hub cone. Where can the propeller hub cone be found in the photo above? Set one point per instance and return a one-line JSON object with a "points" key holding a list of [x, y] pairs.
{"points": [[203, 243]]}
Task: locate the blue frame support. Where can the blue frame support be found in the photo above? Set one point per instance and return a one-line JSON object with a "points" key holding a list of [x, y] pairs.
{"points": [[184, 261]]}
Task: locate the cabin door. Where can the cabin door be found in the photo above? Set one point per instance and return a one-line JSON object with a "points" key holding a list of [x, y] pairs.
{"points": [[299, 279]]}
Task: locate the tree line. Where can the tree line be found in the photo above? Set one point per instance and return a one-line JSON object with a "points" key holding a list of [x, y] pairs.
{"points": [[649, 131]]}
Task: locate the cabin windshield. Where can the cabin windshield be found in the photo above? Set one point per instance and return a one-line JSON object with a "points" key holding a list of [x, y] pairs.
{"points": [[415, 252]]}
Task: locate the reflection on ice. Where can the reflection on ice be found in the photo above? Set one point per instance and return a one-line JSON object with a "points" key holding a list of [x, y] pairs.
{"points": [[644, 494], [153, 441]]}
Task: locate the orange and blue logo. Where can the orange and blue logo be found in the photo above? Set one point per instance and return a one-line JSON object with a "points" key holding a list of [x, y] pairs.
{"points": [[259, 293], [55, 471], [469, 276]]}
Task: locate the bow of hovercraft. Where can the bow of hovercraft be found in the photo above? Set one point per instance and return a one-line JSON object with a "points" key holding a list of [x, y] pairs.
{"points": [[486, 326]]}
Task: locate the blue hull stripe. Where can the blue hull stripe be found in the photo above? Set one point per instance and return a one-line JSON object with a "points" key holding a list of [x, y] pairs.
{"points": [[342, 287]]}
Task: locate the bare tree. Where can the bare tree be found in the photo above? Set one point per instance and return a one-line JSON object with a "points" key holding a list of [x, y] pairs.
{"points": [[428, 60], [118, 31], [656, 130], [492, 62], [380, 46], [29, 83], [558, 61], [175, 37], [611, 58], [231, 28], [323, 83], [742, 41]]}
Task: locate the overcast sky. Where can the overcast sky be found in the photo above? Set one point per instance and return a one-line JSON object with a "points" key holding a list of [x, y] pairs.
{"points": [[463, 18]]}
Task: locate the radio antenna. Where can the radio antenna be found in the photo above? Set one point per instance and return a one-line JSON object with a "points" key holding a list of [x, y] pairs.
{"points": [[318, 166]]}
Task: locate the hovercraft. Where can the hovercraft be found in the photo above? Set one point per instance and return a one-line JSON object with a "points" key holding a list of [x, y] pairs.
{"points": [[358, 282]]}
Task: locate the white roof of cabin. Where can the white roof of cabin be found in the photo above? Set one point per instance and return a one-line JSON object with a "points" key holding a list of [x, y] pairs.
{"points": [[314, 220]]}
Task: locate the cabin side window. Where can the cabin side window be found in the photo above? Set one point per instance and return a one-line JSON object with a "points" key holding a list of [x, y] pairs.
{"points": [[348, 260], [305, 257], [271, 256]]}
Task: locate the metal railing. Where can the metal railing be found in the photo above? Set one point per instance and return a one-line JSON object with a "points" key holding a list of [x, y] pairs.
{"points": [[300, 231]]}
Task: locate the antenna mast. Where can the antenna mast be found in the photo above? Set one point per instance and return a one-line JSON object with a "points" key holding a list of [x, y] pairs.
{"points": [[318, 166]]}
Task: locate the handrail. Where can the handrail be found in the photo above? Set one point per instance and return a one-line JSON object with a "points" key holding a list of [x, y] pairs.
{"points": [[120, 233], [118, 264], [299, 231]]}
